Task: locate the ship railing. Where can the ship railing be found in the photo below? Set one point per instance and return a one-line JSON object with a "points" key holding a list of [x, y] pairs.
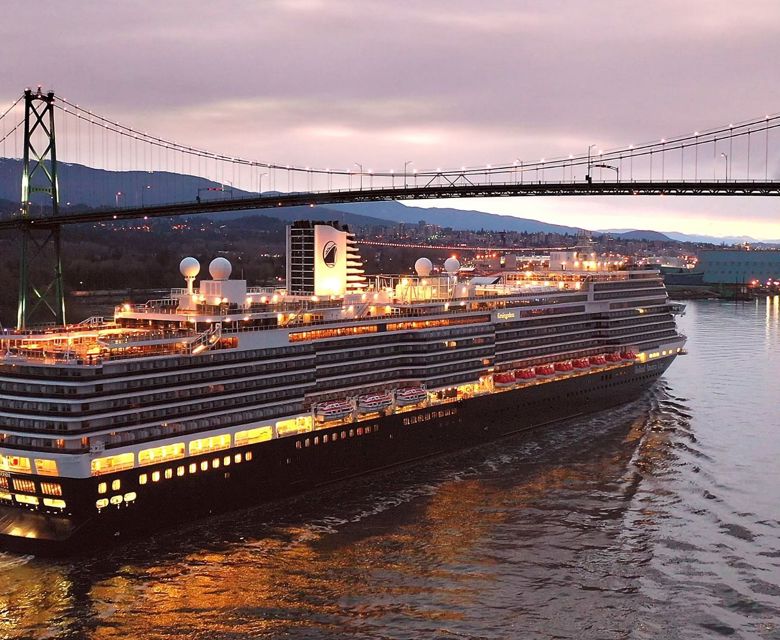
{"points": [[148, 336], [207, 339], [92, 321], [253, 291], [160, 305]]}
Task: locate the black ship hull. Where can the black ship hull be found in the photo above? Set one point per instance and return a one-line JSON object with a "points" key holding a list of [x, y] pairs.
{"points": [[282, 467]]}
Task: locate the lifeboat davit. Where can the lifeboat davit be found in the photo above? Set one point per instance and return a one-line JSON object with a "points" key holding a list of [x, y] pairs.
{"points": [[545, 370], [628, 355], [504, 379], [612, 357], [580, 363], [597, 360], [566, 365], [410, 396], [334, 410], [525, 374], [374, 402]]}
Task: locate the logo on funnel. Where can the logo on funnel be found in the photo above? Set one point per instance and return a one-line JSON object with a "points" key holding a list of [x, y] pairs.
{"points": [[329, 254]]}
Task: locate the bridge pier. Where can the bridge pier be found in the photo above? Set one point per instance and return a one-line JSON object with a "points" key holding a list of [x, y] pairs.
{"points": [[40, 249], [40, 290]]}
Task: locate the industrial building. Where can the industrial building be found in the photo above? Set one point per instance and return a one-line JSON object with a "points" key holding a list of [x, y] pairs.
{"points": [[739, 266]]}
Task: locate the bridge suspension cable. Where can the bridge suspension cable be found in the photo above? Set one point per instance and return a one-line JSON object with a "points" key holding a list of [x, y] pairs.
{"points": [[658, 160]]}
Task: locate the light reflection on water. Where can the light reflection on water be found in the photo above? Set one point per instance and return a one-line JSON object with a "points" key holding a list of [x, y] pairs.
{"points": [[655, 520]]}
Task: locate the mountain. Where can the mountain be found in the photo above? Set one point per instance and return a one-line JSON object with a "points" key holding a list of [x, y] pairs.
{"points": [[459, 219], [636, 234], [85, 186], [686, 237], [290, 214]]}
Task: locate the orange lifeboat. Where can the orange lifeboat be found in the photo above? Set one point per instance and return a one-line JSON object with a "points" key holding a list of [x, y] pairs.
{"points": [[504, 379], [612, 357], [410, 396], [628, 355], [525, 374], [374, 402], [597, 360], [581, 363], [335, 410], [545, 370], [564, 366]]}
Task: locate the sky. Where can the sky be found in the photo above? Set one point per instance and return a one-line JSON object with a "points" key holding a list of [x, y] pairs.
{"points": [[440, 83]]}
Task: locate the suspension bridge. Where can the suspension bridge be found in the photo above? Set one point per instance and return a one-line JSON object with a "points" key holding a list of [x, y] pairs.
{"points": [[737, 159]]}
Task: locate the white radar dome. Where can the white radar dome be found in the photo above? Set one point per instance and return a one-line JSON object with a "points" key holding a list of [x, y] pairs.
{"points": [[220, 269], [451, 266], [423, 267], [189, 267]]}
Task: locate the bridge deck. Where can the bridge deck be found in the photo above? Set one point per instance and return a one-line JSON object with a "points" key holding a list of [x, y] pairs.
{"points": [[275, 200]]}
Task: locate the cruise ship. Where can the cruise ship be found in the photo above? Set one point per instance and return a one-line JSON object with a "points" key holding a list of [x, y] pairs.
{"points": [[223, 395]]}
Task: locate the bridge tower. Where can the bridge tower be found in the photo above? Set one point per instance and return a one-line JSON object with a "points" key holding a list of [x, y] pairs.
{"points": [[40, 266]]}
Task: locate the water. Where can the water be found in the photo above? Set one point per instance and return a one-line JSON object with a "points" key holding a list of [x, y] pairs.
{"points": [[657, 520]]}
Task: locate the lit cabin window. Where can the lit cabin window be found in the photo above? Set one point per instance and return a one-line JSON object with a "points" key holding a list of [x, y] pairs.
{"points": [[102, 503], [316, 440], [129, 497], [294, 425], [46, 467], [193, 467], [248, 456], [116, 499], [142, 479], [102, 487], [180, 471], [115, 484], [168, 474], [204, 466], [51, 488], [23, 485], [214, 443], [109, 464], [307, 442], [351, 433], [325, 439], [237, 458], [155, 476], [3, 482], [51, 502], [343, 435], [360, 431], [161, 454], [14, 463], [6, 496], [26, 499], [226, 461], [253, 436], [215, 463]]}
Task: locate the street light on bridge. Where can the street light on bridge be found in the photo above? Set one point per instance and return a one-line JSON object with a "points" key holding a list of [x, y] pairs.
{"points": [[360, 166], [588, 177], [406, 164], [726, 156]]}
